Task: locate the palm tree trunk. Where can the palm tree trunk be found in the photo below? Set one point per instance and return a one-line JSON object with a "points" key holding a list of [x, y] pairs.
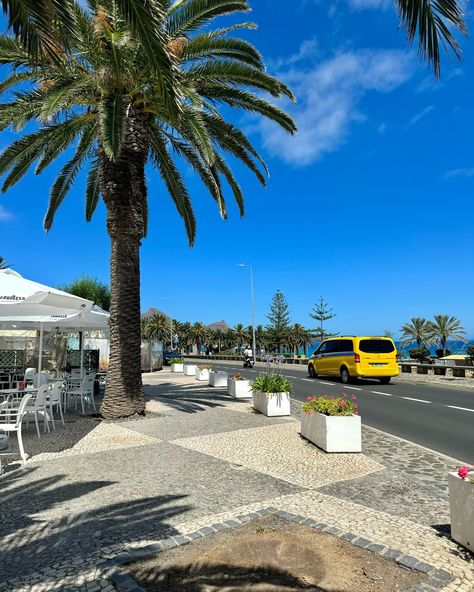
{"points": [[122, 184]]}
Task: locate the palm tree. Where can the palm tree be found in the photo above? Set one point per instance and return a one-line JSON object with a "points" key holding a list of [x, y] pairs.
{"points": [[446, 327], [185, 335], [39, 23], [298, 337], [4, 263], [418, 330], [158, 327], [132, 83], [199, 333], [240, 335]]}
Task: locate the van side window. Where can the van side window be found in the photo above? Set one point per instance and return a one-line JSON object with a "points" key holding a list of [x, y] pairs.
{"points": [[332, 346], [346, 345], [322, 348]]}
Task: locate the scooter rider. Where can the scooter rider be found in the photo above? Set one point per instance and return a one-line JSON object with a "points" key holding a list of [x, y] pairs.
{"points": [[248, 353]]}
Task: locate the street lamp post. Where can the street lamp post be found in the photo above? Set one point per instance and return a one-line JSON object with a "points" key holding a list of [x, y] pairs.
{"points": [[254, 346]]}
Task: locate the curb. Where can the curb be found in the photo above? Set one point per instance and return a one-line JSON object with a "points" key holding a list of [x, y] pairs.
{"points": [[112, 570]]}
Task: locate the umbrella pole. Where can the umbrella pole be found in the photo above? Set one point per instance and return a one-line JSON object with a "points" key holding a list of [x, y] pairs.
{"points": [[40, 352], [81, 346]]}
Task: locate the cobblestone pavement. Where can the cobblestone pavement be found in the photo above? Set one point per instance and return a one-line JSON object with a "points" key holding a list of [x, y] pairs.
{"points": [[205, 460]]}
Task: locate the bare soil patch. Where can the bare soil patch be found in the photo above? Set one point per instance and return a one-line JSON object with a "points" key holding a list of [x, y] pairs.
{"points": [[270, 555]]}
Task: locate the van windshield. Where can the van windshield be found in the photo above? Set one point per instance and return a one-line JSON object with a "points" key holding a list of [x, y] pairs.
{"points": [[376, 346]]}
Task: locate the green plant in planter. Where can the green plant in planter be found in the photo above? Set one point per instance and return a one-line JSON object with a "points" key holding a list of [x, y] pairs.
{"points": [[272, 383], [272, 380], [177, 360], [333, 406], [205, 367]]}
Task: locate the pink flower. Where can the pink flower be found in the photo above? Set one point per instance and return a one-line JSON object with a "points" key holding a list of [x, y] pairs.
{"points": [[343, 404], [356, 412], [309, 412], [309, 398], [354, 398], [463, 472], [355, 406]]}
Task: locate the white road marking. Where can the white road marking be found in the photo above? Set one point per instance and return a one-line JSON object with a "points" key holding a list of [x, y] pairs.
{"points": [[353, 388], [328, 383], [417, 400], [460, 408], [379, 393], [308, 379]]}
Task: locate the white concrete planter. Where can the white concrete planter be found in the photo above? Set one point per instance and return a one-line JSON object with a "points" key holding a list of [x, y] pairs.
{"points": [[239, 389], [332, 433], [461, 504], [177, 367], [189, 369], [271, 404], [202, 374], [218, 379]]}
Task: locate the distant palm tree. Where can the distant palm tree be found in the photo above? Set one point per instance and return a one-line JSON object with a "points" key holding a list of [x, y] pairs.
{"points": [[185, 334], [445, 327], [4, 263], [299, 336], [199, 333], [158, 327], [418, 330], [241, 335], [126, 83]]}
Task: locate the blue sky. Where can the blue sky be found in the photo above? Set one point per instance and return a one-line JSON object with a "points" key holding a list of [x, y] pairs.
{"points": [[368, 206]]}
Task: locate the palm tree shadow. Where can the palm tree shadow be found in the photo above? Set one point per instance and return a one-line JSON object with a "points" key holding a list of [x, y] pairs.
{"points": [[186, 398], [30, 539], [210, 577]]}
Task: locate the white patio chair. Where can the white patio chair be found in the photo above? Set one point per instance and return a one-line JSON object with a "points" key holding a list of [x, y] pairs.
{"points": [[11, 419], [83, 391], [39, 406], [54, 399]]}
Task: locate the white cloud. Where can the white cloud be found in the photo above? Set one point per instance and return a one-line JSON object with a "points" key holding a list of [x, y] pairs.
{"points": [[308, 50], [382, 128], [416, 118], [328, 96], [5, 215], [468, 172]]}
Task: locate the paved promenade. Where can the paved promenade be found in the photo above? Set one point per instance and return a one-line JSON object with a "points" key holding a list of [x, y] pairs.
{"points": [[200, 459]]}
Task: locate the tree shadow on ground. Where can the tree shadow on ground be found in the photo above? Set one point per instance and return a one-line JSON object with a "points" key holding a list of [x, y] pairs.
{"points": [[210, 577], [62, 438], [30, 540], [186, 398]]}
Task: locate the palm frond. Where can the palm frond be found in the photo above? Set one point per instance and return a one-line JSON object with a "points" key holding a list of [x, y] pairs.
{"points": [[433, 22], [16, 78], [194, 128], [225, 30], [234, 141], [67, 175], [111, 116], [192, 157], [173, 181], [226, 171], [231, 72], [19, 112], [204, 46], [92, 190], [249, 102], [188, 16]]}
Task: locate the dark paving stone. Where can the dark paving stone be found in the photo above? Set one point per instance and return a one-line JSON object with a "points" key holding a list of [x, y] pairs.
{"points": [[393, 494]]}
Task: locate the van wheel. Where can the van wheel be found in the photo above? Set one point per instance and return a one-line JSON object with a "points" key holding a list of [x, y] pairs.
{"points": [[385, 380], [311, 371], [345, 376]]}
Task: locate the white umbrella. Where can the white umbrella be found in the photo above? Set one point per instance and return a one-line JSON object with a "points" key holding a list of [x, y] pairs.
{"points": [[25, 304]]}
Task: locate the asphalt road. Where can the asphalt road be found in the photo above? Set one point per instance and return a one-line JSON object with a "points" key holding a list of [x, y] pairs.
{"points": [[437, 417]]}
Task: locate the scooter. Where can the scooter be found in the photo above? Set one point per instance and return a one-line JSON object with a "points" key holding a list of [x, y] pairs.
{"points": [[249, 362]]}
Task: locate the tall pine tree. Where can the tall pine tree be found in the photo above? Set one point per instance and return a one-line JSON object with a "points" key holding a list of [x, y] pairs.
{"points": [[279, 317], [322, 313]]}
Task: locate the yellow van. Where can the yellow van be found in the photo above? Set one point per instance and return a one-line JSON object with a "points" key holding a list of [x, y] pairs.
{"points": [[351, 357]]}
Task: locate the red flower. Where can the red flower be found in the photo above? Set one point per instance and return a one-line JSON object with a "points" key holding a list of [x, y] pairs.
{"points": [[343, 404], [463, 472], [309, 398], [355, 406]]}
